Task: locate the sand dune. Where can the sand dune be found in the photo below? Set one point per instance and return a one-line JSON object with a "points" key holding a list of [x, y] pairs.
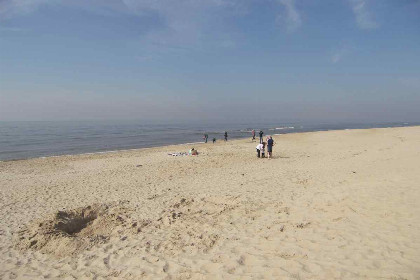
{"points": [[329, 205]]}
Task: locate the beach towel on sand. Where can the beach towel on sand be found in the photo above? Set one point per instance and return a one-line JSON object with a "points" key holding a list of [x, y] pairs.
{"points": [[178, 154]]}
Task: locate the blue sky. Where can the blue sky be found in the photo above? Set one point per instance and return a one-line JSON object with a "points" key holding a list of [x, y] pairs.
{"points": [[244, 60]]}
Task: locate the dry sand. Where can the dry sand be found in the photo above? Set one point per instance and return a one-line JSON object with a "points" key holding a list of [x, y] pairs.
{"points": [[329, 205]]}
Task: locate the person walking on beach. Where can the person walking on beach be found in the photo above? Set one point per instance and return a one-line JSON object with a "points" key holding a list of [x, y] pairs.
{"points": [[214, 140], [270, 144], [253, 134], [261, 133], [205, 137], [226, 136]]}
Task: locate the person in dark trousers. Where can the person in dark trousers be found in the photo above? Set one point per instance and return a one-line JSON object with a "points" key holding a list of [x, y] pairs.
{"points": [[263, 150], [214, 140], [226, 136], [270, 144], [261, 133], [205, 137], [253, 134], [260, 150]]}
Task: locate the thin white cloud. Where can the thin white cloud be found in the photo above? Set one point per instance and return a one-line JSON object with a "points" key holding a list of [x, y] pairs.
{"points": [[291, 18], [364, 18], [182, 17], [344, 49], [9, 8], [182, 23], [335, 58]]}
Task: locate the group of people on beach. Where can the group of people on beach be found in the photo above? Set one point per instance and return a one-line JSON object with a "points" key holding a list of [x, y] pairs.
{"points": [[269, 143], [262, 145], [261, 133], [206, 137]]}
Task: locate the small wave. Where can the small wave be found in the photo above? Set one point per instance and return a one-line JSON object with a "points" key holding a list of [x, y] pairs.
{"points": [[284, 127], [190, 143]]}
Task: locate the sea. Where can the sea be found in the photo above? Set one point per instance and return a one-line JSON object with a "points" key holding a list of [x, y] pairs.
{"points": [[33, 139]]}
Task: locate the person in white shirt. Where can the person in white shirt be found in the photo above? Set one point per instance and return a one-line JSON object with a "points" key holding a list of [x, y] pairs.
{"points": [[261, 150]]}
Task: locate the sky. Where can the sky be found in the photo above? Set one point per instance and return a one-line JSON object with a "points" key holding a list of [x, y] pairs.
{"points": [[210, 60]]}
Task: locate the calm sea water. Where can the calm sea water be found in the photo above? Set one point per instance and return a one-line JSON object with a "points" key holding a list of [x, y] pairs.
{"points": [[21, 140]]}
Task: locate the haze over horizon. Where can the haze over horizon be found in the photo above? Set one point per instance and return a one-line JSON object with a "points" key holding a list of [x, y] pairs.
{"points": [[210, 60]]}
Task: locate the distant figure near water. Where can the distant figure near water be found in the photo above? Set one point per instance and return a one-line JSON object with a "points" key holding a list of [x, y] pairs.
{"points": [[205, 137], [214, 140], [253, 135], [261, 133], [226, 135]]}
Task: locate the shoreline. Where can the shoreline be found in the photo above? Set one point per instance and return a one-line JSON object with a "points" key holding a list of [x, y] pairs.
{"points": [[181, 144]]}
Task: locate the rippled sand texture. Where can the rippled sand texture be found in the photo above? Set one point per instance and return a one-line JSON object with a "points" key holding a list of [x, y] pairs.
{"points": [[329, 205]]}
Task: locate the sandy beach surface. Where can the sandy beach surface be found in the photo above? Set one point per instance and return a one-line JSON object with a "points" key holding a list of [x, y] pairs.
{"points": [[329, 205]]}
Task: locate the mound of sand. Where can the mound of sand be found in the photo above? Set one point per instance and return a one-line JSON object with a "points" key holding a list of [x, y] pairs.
{"points": [[188, 225], [70, 232]]}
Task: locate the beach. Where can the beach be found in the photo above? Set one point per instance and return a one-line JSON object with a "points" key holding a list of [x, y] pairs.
{"points": [[329, 205]]}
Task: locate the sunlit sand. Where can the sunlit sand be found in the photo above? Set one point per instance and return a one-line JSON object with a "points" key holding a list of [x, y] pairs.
{"points": [[329, 205]]}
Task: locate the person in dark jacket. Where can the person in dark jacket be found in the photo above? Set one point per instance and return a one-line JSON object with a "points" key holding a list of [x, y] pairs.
{"points": [[270, 144], [261, 133], [226, 136]]}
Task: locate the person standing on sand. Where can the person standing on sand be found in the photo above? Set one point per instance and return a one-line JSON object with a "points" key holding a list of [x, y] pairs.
{"points": [[226, 136], [214, 140], [270, 144], [205, 137], [253, 135], [261, 133]]}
